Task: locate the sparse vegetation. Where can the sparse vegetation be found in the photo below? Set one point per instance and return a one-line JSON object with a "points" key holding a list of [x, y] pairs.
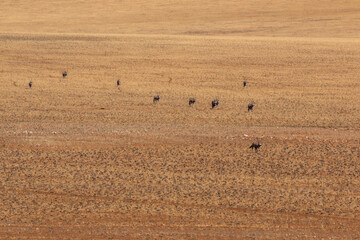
{"points": [[81, 159]]}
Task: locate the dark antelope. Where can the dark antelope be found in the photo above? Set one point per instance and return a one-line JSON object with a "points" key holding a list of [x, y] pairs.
{"points": [[214, 103], [118, 82], [64, 74], [255, 146], [156, 99], [250, 106], [30, 84], [191, 101], [244, 83]]}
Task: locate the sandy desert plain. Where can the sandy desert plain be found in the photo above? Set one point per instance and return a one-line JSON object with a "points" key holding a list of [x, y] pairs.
{"points": [[80, 158]]}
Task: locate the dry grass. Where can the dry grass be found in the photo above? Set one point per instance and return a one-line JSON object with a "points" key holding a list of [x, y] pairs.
{"points": [[81, 158], [301, 18], [292, 82]]}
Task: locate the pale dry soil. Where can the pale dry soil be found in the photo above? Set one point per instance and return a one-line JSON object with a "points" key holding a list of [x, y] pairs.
{"points": [[275, 18], [81, 158]]}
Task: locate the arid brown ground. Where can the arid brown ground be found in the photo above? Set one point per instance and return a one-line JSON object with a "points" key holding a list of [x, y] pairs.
{"points": [[82, 158]]}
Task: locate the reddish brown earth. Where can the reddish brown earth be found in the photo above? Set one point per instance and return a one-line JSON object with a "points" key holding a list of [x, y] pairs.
{"points": [[81, 158]]}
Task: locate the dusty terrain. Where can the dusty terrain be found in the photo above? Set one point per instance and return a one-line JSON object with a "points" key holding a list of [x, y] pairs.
{"points": [[286, 18], [81, 158]]}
